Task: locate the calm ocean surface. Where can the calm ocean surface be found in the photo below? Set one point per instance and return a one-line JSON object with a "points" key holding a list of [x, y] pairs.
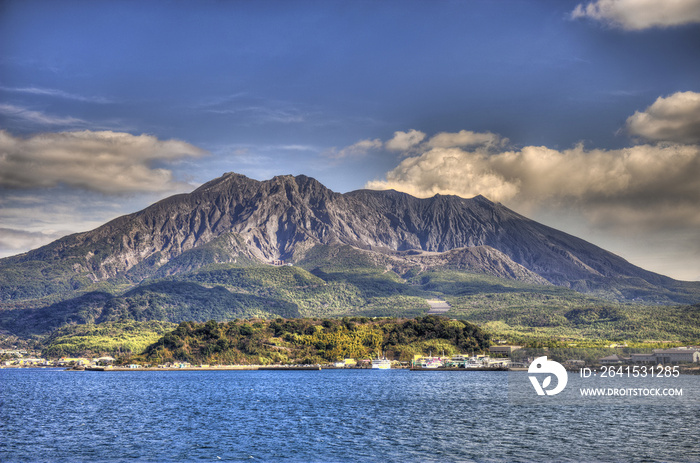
{"points": [[322, 416]]}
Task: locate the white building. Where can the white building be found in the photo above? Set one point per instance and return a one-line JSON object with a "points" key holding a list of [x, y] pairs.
{"points": [[677, 355]]}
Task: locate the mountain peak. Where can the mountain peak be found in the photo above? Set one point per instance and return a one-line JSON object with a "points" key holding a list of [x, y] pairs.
{"points": [[226, 179], [283, 178], [482, 199]]}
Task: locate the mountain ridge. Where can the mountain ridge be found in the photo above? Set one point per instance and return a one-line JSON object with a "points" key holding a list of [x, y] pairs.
{"points": [[285, 217]]}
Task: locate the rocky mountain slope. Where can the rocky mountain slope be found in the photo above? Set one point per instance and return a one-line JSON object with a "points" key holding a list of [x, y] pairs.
{"points": [[234, 219]]}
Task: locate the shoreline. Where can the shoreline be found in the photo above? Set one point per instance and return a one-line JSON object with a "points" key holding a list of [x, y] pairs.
{"points": [[228, 368], [694, 371]]}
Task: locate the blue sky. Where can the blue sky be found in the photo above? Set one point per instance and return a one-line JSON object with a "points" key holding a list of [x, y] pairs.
{"points": [[582, 115]]}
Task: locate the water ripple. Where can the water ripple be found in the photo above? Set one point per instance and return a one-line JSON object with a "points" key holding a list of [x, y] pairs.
{"points": [[319, 416]]}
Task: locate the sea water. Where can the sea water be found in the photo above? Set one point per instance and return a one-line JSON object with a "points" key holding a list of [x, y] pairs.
{"points": [[323, 416]]}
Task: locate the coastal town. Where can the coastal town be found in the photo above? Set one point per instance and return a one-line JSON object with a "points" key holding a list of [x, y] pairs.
{"points": [[500, 357]]}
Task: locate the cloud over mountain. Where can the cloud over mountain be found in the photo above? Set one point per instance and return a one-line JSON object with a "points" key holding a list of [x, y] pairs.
{"points": [[412, 141], [646, 176], [105, 162], [640, 14]]}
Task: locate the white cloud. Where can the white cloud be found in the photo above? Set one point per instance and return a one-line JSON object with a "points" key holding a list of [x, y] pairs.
{"points": [[675, 118], [404, 141], [37, 117], [105, 162], [249, 109], [294, 147], [640, 14], [55, 93], [411, 142], [366, 145], [261, 115], [465, 138], [360, 148]]}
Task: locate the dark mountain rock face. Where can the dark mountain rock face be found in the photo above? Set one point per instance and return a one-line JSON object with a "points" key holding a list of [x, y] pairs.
{"points": [[234, 218]]}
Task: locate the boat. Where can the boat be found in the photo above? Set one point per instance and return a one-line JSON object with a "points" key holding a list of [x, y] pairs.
{"points": [[430, 362], [381, 364]]}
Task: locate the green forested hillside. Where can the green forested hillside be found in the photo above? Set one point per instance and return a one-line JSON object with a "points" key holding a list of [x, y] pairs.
{"points": [[334, 282], [223, 292], [313, 340], [168, 301]]}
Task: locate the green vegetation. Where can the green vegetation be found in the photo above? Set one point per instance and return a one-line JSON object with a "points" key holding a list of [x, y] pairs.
{"points": [[253, 278], [113, 338], [37, 279], [51, 272], [85, 309], [341, 281], [526, 313], [178, 301], [523, 319], [310, 341]]}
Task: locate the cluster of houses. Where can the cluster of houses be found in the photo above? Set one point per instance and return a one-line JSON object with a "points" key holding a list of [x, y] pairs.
{"points": [[421, 361], [501, 360], [62, 362], [663, 356], [83, 362], [463, 361]]}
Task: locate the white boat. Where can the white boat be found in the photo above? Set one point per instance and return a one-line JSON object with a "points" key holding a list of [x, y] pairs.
{"points": [[381, 364], [430, 362]]}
